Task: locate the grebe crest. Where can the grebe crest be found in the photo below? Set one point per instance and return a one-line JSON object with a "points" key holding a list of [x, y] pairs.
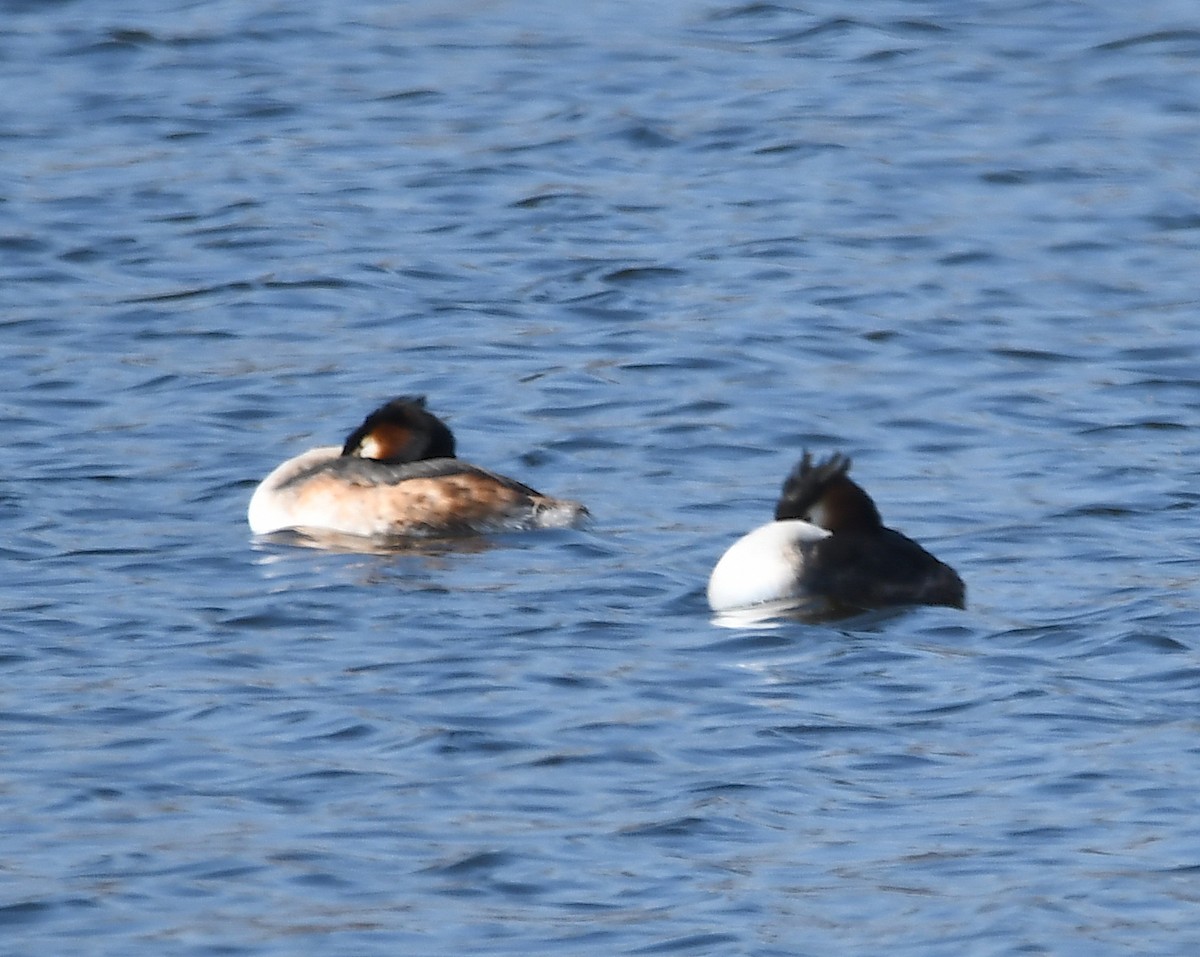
{"points": [[401, 430], [825, 496]]}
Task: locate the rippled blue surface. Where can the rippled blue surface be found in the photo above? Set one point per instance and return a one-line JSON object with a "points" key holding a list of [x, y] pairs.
{"points": [[641, 255]]}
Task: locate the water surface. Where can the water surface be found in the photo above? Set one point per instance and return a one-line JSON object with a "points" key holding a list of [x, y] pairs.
{"points": [[641, 256]]}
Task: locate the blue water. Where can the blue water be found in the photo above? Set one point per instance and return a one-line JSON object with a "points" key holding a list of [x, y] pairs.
{"points": [[640, 255]]}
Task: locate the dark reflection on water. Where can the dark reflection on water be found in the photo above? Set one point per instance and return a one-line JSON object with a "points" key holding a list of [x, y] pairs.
{"points": [[640, 258]]}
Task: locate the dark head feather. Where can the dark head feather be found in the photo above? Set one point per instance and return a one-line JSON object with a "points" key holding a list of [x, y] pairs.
{"points": [[824, 495], [401, 430]]}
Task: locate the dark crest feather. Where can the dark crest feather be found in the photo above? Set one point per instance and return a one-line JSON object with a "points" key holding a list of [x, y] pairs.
{"points": [[807, 484], [431, 438]]}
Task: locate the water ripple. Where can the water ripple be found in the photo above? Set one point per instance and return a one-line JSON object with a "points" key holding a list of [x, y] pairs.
{"points": [[642, 262]]}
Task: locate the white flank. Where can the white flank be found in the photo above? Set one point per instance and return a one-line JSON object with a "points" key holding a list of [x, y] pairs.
{"points": [[762, 565]]}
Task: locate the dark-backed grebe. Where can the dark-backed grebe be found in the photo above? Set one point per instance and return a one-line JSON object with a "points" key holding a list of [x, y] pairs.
{"points": [[396, 475], [828, 545]]}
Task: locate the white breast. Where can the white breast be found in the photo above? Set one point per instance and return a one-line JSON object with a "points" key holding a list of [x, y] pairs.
{"points": [[763, 565]]}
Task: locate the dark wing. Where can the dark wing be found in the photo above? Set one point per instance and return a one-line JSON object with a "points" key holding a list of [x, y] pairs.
{"points": [[864, 571]]}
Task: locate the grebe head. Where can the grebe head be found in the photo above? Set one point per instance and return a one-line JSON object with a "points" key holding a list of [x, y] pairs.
{"points": [[401, 430], [825, 496]]}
